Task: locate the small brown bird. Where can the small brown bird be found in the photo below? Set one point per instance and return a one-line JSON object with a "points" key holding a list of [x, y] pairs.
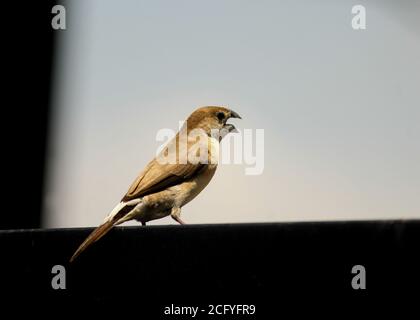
{"points": [[163, 188]]}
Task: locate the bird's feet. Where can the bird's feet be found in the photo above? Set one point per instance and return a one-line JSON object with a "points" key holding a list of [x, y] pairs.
{"points": [[176, 215], [179, 220]]}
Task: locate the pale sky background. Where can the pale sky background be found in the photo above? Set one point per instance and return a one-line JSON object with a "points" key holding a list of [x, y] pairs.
{"points": [[340, 108]]}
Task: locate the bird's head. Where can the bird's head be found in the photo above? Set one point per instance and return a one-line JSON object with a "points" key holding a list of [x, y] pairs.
{"points": [[212, 118]]}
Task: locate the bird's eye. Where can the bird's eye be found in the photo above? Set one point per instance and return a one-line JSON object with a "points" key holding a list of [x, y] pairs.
{"points": [[220, 116]]}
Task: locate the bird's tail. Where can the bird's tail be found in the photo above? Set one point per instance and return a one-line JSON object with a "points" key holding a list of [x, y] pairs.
{"points": [[118, 215], [96, 234]]}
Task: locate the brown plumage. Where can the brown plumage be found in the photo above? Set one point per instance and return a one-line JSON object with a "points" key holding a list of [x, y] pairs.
{"points": [[161, 189]]}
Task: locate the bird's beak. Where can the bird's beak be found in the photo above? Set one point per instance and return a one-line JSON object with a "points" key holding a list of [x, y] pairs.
{"points": [[233, 114], [231, 128], [228, 128]]}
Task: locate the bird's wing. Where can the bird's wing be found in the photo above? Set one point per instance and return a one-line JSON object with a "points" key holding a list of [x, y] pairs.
{"points": [[157, 177]]}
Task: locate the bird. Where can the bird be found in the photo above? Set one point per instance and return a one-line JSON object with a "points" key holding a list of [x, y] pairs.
{"points": [[163, 188]]}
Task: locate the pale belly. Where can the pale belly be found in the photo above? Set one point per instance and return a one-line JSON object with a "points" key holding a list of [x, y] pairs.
{"points": [[160, 204], [191, 188]]}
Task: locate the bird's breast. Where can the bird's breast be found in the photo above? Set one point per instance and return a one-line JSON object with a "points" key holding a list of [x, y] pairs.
{"points": [[189, 189]]}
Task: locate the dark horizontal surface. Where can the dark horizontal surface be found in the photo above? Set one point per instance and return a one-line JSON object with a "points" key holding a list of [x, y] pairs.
{"points": [[271, 265]]}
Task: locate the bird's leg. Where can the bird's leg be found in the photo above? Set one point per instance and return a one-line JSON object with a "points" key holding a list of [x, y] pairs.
{"points": [[176, 215]]}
